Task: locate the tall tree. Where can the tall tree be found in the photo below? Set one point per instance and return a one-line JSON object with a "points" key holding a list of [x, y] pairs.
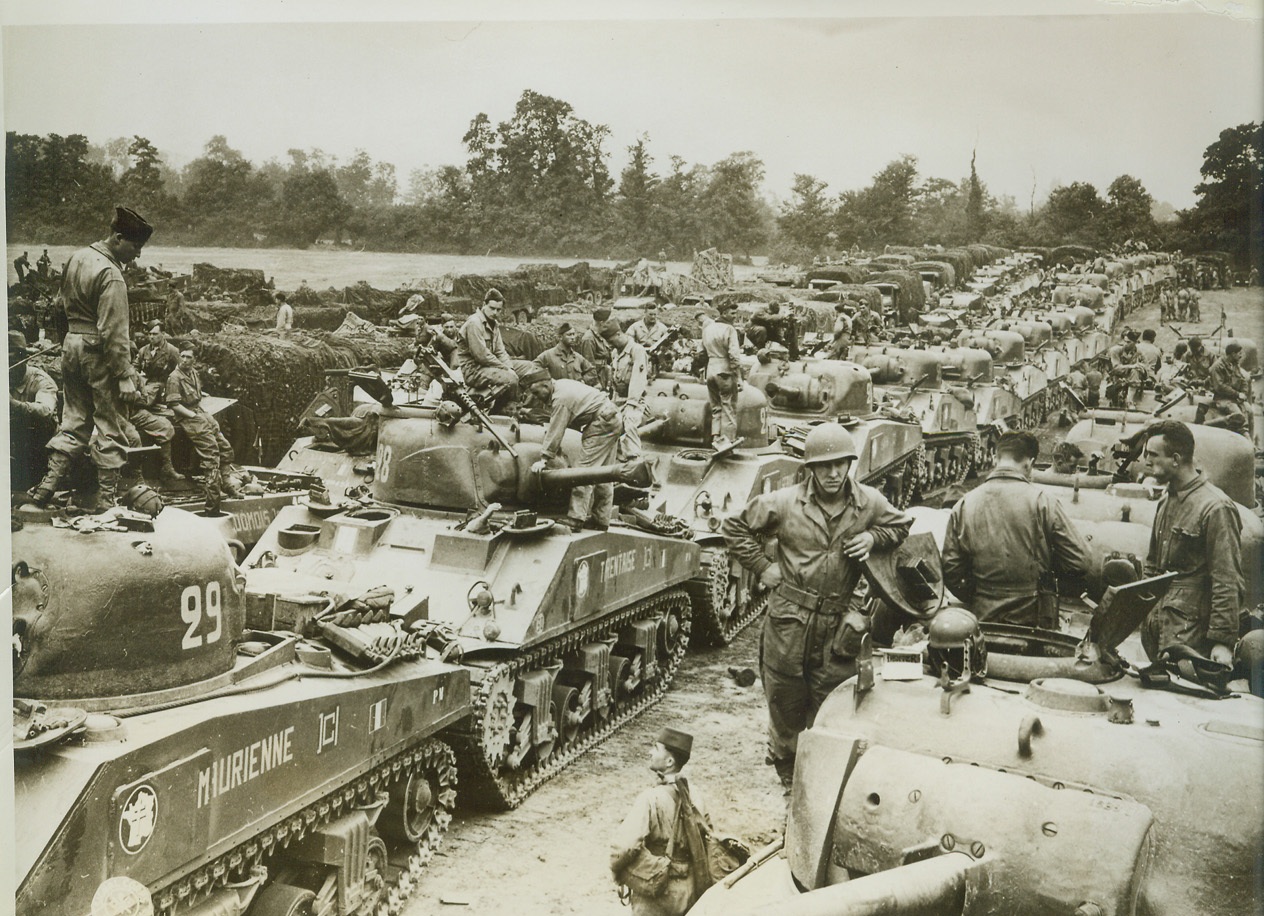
{"points": [[227, 202], [310, 205], [1128, 213], [635, 201], [736, 217], [974, 204], [806, 218], [1228, 214], [881, 214], [1074, 213]]}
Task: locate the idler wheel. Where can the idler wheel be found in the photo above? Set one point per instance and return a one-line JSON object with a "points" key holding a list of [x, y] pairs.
{"points": [[283, 900]]}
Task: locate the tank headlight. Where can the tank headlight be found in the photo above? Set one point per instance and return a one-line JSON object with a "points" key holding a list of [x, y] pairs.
{"points": [[122, 896]]}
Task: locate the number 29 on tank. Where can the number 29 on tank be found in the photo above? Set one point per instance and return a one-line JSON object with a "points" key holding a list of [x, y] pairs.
{"points": [[192, 609]]}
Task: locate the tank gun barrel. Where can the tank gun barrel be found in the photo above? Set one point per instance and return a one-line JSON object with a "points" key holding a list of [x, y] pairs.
{"points": [[634, 474]]}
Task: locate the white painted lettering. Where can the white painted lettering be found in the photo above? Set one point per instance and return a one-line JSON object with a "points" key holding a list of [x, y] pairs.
{"points": [[244, 764]]}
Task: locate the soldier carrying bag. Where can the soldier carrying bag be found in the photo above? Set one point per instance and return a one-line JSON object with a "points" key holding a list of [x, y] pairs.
{"points": [[647, 874], [718, 855]]}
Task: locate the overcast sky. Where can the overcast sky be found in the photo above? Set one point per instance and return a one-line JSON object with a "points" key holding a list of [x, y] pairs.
{"points": [[1048, 99]]}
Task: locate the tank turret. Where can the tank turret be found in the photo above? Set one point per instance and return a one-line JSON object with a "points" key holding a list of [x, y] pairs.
{"points": [[701, 488], [172, 753]]}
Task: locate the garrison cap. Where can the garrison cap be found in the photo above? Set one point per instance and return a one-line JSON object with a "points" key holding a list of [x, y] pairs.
{"points": [[600, 315], [608, 329], [564, 328], [675, 740], [131, 225], [17, 342], [533, 375]]}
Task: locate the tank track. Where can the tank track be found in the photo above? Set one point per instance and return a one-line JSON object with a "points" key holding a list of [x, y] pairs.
{"points": [[709, 629], [495, 790], [405, 864]]}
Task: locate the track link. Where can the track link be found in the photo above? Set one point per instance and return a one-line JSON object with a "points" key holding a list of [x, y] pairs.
{"points": [[710, 592], [432, 758], [483, 779]]}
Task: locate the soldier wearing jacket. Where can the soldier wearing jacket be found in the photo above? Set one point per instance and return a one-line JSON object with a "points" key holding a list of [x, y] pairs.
{"points": [[650, 825], [184, 397], [96, 359], [1198, 535], [1007, 538], [825, 528], [1228, 385]]}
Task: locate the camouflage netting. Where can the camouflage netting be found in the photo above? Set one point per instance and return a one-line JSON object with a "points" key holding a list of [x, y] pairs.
{"points": [[1069, 254], [851, 292], [912, 293], [377, 305], [675, 287], [843, 273], [713, 269], [276, 377], [235, 283], [946, 272], [961, 260], [214, 316]]}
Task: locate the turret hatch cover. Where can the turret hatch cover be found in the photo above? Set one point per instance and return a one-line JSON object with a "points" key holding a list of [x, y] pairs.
{"points": [[909, 576], [1124, 607]]}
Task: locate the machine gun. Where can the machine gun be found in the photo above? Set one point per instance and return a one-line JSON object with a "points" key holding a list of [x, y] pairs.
{"points": [[455, 392]]}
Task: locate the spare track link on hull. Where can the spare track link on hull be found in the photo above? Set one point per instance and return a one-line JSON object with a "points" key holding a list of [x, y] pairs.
{"points": [[483, 786], [709, 629], [432, 756]]}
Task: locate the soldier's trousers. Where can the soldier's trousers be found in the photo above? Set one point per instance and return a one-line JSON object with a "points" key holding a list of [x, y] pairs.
{"points": [[153, 426], [90, 400], [722, 390], [799, 667], [598, 446], [214, 453]]}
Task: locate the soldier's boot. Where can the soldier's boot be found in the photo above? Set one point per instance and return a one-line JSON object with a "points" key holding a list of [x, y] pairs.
{"points": [[228, 483], [58, 465], [107, 488], [211, 491], [168, 474]]}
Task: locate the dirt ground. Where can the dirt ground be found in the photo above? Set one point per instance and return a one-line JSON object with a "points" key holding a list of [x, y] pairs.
{"points": [[549, 857]]}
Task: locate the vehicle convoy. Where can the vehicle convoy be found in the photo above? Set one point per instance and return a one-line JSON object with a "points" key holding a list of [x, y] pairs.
{"points": [[968, 790], [566, 634], [173, 748], [803, 392], [695, 483], [1014, 371]]}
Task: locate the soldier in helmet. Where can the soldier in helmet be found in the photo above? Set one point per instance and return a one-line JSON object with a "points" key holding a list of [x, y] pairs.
{"points": [[825, 528], [1007, 541]]}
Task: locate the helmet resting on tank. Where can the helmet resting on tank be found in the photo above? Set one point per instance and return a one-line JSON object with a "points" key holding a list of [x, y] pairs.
{"points": [[955, 641], [828, 442]]}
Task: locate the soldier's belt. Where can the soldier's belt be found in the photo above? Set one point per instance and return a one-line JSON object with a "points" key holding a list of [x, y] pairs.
{"points": [[828, 605]]}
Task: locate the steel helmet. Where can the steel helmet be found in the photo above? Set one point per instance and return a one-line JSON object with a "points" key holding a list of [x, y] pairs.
{"points": [[143, 498], [828, 442], [955, 640]]}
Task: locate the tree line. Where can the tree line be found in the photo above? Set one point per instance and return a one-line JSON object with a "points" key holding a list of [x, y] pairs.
{"points": [[539, 183]]}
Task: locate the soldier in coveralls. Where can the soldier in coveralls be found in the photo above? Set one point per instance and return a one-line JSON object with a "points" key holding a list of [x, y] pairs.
{"points": [[650, 824], [96, 359], [825, 528]]}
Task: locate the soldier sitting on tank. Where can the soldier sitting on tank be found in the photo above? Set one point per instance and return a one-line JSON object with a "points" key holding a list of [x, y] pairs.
{"points": [[149, 420], [648, 330], [574, 405], [769, 325], [825, 528], [596, 350], [482, 358], [1231, 390], [1196, 370], [1008, 541], [184, 397], [1197, 535], [1150, 351], [1129, 375], [32, 415]]}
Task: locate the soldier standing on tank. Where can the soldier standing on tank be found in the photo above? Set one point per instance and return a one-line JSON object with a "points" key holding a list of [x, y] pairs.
{"points": [[629, 379], [651, 824], [22, 264], [1007, 541], [184, 397], [44, 265], [285, 313], [825, 528], [96, 359], [574, 405], [1197, 535], [722, 346], [841, 345]]}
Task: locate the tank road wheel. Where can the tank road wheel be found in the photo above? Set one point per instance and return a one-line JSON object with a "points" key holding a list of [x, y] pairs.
{"points": [[631, 676], [373, 888], [618, 669], [569, 709], [282, 900]]}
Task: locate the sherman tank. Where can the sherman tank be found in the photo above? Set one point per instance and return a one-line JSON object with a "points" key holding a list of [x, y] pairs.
{"points": [[171, 757], [1009, 770], [911, 380], [566, 634], [694, 483], [1013, 370], [803, 392]]}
